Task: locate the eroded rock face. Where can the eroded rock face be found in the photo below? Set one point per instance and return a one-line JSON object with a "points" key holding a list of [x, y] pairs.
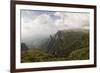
{"points": [[67, 41]]}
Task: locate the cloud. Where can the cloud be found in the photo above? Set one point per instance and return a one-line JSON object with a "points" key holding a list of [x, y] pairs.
{"points": [[40, 24], [70, 20], [28, 15]]}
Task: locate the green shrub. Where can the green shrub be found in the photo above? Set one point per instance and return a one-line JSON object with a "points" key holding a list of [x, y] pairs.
{"points": [[79, 54]]}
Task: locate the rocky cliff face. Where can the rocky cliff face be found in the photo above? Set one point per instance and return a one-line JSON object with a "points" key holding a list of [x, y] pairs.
{"points": [[65, 41], [62, 46]]}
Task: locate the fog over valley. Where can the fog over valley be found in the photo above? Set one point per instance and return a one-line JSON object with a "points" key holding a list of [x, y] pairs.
{"points": [[37, 27]]}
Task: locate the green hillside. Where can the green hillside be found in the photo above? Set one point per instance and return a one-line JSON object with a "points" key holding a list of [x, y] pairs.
{"points": [[79, 54], [67, 41], [64, 45]]}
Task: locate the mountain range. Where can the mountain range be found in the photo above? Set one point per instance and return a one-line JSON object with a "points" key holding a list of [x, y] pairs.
{"points": [[65, 44]]}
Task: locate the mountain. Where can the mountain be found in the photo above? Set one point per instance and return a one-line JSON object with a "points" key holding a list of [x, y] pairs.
{"points": [[62, 46], [66, 41], [23, 47]]}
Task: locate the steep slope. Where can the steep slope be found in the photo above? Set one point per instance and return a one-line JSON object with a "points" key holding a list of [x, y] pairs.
{"points": [[66, 41], [64, 45], [79, 54]]}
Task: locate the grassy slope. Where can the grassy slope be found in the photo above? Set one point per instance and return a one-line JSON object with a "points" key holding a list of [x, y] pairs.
{"points": [[37, 55], [72, 46]]}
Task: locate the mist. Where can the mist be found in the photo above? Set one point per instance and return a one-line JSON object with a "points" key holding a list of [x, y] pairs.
{"points": [[37, 26]]}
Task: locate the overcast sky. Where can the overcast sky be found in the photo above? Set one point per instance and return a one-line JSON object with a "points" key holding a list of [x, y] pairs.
{"points": [[44, 23]]}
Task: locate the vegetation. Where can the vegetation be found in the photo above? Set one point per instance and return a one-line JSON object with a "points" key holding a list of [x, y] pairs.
{"points": [[80, 54], [64, 45]]}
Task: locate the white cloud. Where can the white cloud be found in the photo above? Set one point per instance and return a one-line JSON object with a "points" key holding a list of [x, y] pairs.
{"points": [[34, 26], [72, 20], [42, 25]]}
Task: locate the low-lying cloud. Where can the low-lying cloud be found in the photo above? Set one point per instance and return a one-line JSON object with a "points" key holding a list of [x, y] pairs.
{"points": [[36, 24]]}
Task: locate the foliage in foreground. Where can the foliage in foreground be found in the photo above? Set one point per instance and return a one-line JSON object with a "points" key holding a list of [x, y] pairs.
{"points": [[37, 55], [79, 54]]}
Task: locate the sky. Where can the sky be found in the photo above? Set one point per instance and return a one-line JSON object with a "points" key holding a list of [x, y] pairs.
{"points": [[35, 23]]}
